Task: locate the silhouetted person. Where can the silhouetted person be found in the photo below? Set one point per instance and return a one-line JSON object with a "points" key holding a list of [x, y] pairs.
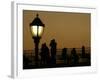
{"points": [[74, 57], [64, 55], [53, 46], [47, 55], [42, 54], [83, 51], [45, 58]]}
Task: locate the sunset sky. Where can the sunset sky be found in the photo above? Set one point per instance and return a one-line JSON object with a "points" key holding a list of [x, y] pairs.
{"points": [[68, 29]]}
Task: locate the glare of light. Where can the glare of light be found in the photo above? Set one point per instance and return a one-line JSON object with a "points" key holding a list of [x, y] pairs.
{"points": [[36, 31]]}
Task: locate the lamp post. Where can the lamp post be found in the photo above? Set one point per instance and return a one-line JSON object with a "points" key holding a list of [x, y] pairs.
{"points": [[37, 28]]}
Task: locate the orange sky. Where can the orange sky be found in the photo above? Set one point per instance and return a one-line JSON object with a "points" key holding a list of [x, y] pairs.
{"points": [[68, 29]]}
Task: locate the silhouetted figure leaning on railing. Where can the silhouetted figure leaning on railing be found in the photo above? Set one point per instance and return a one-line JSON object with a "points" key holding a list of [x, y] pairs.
{"points": [[45, 57], [74, 57], [83, 51], [53, 46], [65, 55]]}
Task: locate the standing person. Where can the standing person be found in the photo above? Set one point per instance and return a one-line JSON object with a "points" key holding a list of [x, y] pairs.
{"points": [[83, 51], [64, 55], [53, 46], [74, 57], [45, 57]]}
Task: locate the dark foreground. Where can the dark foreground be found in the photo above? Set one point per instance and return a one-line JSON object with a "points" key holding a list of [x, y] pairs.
{"points": [[54, 66], [30, 64]]}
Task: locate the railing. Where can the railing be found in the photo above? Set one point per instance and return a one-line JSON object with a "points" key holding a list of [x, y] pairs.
{"points": [[30, 53]]}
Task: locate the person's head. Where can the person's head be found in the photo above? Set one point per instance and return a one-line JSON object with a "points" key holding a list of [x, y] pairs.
{"points": [[83, 47], [73, 48], [45, 44], [42, 45], [53, 40], [64, 50]]}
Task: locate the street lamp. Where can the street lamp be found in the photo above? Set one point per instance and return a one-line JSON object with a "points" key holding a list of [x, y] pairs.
{"points": [[37, 28]]}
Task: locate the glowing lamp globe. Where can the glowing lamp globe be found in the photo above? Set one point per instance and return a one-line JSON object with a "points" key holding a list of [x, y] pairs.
{"points": [[37, 27]]}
